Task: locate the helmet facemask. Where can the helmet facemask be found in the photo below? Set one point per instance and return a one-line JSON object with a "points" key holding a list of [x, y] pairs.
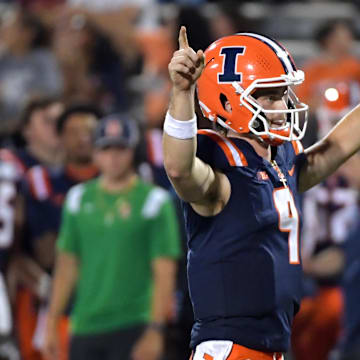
{"points": [[259, 125]]}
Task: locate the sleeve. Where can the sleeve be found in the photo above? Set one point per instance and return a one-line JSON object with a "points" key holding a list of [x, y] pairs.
{"points": [[164, 231], [35, 209], [66, 241], [68, 235], [296, 157], [211, 149], [205, 148], [299, 162]]}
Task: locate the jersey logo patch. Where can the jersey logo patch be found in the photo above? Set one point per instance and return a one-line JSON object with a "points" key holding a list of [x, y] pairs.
{"points": [[291, 171], [113, 128], [262, 175], [124, 209]]}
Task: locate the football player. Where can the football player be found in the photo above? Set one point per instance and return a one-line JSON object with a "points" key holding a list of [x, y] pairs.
{"points": [[240, 183], [43, 193]]}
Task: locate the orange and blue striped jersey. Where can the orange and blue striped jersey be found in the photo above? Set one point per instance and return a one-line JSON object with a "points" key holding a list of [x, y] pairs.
{"points": [[244, 263]]}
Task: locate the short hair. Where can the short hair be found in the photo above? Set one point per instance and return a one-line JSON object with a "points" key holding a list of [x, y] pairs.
{"points": [[34, 104], [76, 109], [327, 28]]}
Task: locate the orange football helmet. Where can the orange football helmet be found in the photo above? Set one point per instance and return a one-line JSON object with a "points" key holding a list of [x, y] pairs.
{"points": [[235, 67]]}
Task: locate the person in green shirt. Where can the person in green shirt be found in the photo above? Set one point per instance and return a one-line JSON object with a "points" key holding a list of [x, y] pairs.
{"points": [[117, 249]]}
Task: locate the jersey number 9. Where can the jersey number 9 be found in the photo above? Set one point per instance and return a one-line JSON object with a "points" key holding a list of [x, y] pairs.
{"points": [[288, 221]]}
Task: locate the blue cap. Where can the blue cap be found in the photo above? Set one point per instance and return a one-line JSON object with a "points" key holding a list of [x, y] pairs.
{"points": [[117, 130]]}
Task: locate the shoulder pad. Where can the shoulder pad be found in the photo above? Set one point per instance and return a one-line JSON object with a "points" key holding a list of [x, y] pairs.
{"points": [[297, 146], [225, 154]]}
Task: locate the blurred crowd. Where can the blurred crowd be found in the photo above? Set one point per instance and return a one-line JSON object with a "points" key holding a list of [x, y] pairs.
{"points": [[65, 66]]}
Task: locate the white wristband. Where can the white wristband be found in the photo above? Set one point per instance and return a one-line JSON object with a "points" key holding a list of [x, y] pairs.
{"points": [[180, 129], [44, 286]]}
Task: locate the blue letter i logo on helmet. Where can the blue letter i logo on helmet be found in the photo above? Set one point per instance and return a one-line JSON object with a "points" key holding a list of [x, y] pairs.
{"points": [[229, 73]]}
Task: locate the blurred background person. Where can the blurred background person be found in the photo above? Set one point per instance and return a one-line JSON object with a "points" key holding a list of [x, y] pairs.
{"points": [[332, 83], [350, 340], [27, 66], [37, 143], [335, 63], [43, 193], [92, 69], [330, 210], [117, 249], [36, 140], [135, 16]]}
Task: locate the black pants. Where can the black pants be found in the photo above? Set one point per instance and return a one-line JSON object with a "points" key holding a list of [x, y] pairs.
{"points": [[114, 345]]}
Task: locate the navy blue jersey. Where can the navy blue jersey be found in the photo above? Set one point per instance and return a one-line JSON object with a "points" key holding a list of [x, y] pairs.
{"points": [[244, 263], [351, 281], [44, 192]]}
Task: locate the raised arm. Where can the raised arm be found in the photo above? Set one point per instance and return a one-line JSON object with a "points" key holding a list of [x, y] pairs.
{"points": [[324, 157], [194, 181]]}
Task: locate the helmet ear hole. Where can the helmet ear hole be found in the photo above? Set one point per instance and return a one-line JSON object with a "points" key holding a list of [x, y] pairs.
{"points": [[223, 100], [225, 103]]}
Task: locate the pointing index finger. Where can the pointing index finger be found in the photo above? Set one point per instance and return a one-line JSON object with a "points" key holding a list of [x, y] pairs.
{"points": [[183, 41]]}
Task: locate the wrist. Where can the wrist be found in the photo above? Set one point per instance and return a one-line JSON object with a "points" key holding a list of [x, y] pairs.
{"points": [[180, 129], [43, 287], [184, 92]]}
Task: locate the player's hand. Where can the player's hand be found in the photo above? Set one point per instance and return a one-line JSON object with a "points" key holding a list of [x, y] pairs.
{"points": [[186, 65], [150, 346]]}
